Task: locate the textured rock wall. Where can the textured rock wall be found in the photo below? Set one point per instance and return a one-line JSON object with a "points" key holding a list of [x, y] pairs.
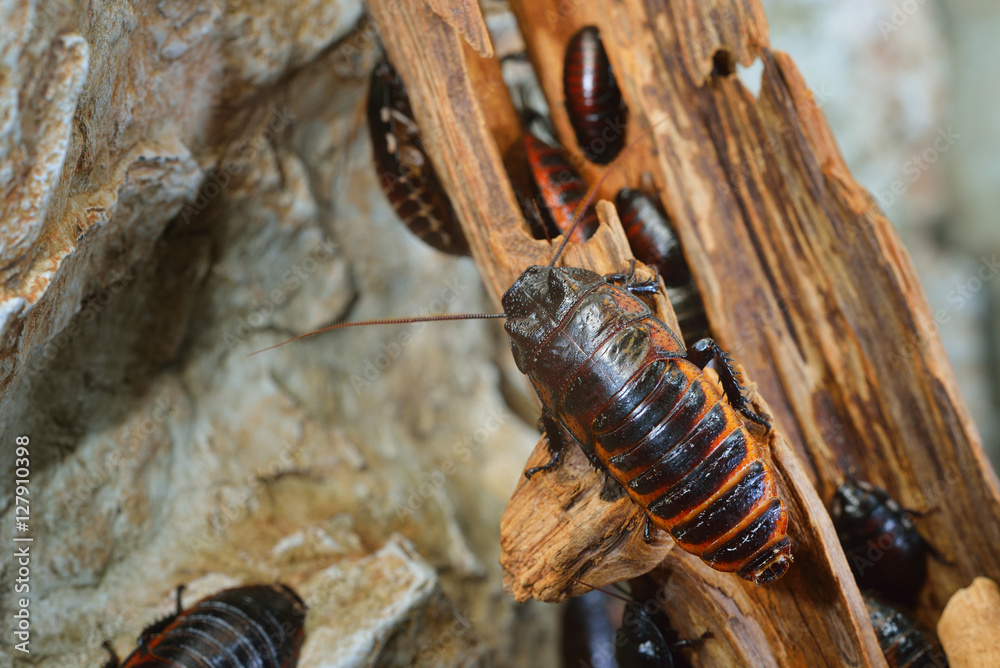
{"points": [[178, 191]]}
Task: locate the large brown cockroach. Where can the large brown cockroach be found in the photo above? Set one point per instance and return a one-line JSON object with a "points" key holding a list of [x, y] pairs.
{"points": [[616, 378], [593, 100], [561, 187], [903, 645], [882, 545], [259, 626], [654, 243], [404, 170]]}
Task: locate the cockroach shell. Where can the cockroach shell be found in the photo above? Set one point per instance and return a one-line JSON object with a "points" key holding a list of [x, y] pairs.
{"points": [[593, 99], [618, 381], [405, 173], [883, 547], [561, 186], [902, 644], [651, 237], [259, 625]]}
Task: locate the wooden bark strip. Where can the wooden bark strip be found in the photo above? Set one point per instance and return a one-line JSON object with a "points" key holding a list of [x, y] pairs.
{"points": [[466, 17], [431, 61], [805, 282], [969, 628]]}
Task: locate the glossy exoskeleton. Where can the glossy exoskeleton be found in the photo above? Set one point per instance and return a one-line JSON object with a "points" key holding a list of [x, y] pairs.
{"points": [[654, 243], [561, 187], [615, 377], [882, 545], [259, 626], [593, 100], [404, 170], [903, 645], [590, 639]]}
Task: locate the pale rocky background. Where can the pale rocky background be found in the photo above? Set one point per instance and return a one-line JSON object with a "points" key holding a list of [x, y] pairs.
{"points": [[179, 189]]}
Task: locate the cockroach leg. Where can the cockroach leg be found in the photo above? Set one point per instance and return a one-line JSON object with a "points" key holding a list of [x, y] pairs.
{"points": [[554, 438], [706, 350]]}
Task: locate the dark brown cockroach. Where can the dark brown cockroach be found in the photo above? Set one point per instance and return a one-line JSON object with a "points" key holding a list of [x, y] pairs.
{"points": [[259, 626], [903, 645], [593, 100], [883, 547], [616, 378], [404, 170], [654, 243], [561, 187], [590, 639]]}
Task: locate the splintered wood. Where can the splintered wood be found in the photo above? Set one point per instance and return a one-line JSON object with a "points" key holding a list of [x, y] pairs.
{"points": [[804, 281]]}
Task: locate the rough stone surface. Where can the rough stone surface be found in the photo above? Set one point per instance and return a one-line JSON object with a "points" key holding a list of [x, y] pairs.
{"points": [[179, 190]]}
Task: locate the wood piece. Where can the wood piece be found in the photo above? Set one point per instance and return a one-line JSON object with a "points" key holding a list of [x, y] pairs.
{"points": [[465, 17], [805, 281], [823, 600], [969, 628]]}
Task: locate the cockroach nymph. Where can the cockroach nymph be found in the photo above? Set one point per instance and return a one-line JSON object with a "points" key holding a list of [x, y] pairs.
{"points": [[654, 243], [883, 547], [404, 171], [561, 187], [903, 645], [593, 100], [259, 626]]}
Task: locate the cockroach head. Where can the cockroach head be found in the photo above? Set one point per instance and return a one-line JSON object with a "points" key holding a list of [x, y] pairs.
{"points": [[538, 301], [856, 499]]}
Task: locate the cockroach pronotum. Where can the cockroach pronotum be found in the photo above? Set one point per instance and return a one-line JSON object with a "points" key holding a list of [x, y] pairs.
{"points": [[883, 547], [561, 187], [654, 243], [593, 100], [903, 645], [259, 626], [616, 378], [404, 170]]}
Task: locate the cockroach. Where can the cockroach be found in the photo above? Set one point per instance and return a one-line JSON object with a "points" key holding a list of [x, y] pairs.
{"points": [[593, 100], [561, 187], [903, 645], [886, 552], [654, 243], [638, 642], [616, 378], [404, 171], [259, 626]]}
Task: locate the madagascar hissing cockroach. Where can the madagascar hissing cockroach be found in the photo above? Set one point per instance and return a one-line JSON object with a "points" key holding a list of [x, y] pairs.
{"points": [[903, 645], [259, 626], [593, 100], [616, 378], [883, 547], [654, 243], [561, 187], [404, 171]]}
